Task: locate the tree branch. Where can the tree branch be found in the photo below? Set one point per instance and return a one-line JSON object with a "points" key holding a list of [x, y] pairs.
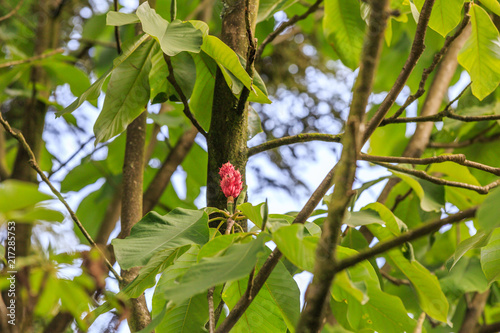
{"points": [[458, 158], [416, 51], [187, 110], [490, 328], [12, 12], [478, 139], [437, 58], [473, 313], [423, 175], [408, 236], [117, 30], [394, 280], [63, 164], [285, 25], [288, 140], [33, 163], [326, 262]]}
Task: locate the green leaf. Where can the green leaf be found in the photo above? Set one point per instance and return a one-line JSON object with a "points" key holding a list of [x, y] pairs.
{"points": [[91, 211], [492, 5], [299, 249], [86, 173], [154, 233], [173, 37], [254, 123], [95, 89], [481, 54], [67, 73], [392, 222], [127, 94], [254, 213], [431, 195], [487, 213], [430, 296], [364, 217], [479, 240], [445, 15], [18, 195], [344, 29], [467, 276], [230, 66], [237, 262], [490, 257], [147, 275], [277, 305], [203, 91], [268, 7], [117, 18]]}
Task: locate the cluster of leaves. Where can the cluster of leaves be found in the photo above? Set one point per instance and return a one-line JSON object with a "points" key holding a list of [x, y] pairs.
{"points": [[430, 275]]}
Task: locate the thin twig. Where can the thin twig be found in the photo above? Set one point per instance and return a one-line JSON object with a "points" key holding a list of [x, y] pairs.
{"points": [[458, 158], [285, 25], [423, 175], [407, 236], [416, 51], [117, 31], [478, 139], [12, 12], [393, 280], [33, 163], [288, 140], [28, 60], [187, 110], [63, 164], [437, 59], [211, 312]]}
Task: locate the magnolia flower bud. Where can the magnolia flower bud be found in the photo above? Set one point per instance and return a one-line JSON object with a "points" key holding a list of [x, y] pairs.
{"points": [[230, 180]]}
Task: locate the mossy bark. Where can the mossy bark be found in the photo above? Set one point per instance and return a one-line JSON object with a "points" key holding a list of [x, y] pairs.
{"points": [[227, 138]]}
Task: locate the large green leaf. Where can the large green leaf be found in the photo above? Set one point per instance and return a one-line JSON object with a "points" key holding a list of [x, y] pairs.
{"points": [[88, 172], [490, 257], [430, 296], [275, 308], [393, 223], [445, 15], [232, 69], [492, 5], [487, 214], [344, 29], [203, 91], [299, 249], [481, 54], [479, 240], [127, 94], [237, 262], [118, 18], [154, 233], [173, 37], [268, 7], [187, 316], [19, 201], [67, 73], [147, 275], [95, 89]]}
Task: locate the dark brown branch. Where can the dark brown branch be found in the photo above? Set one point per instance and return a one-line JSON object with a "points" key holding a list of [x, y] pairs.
{"points": [[288, 140], [33, 163], [187, 110], [458, 158], [117, 31], [211, 311], [437, 59], [285, 25], [408, 236], [490, 328], [423, 175], [325, 262], [416, 51]]}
